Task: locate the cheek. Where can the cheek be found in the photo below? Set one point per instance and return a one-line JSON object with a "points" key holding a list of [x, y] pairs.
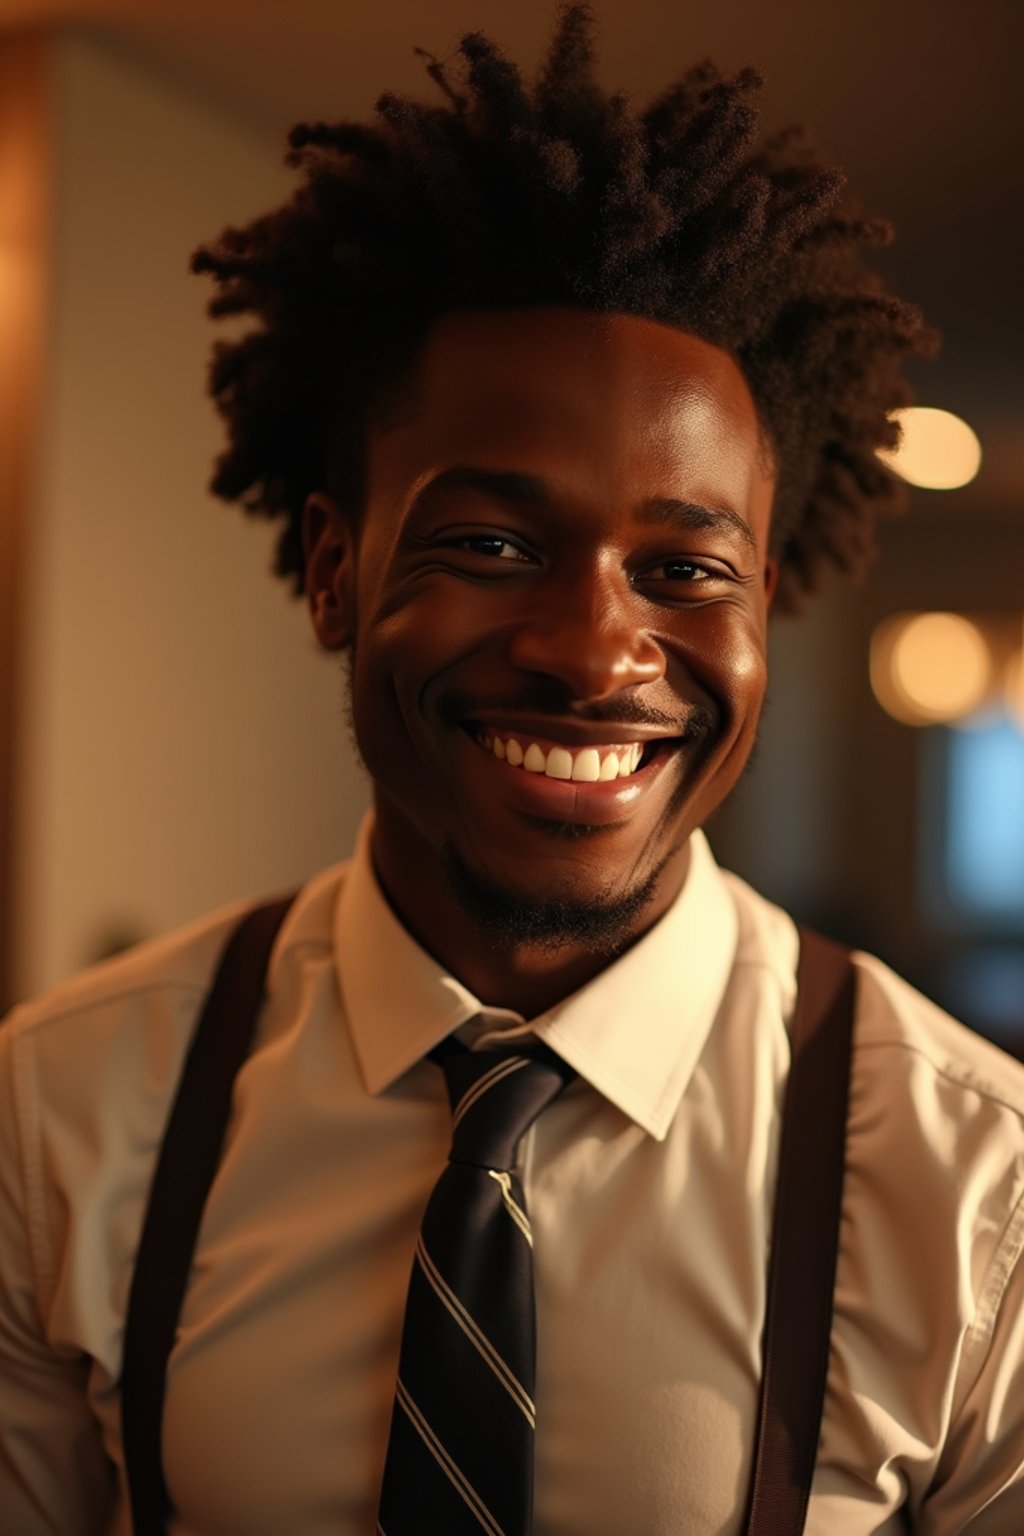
{"points": [[376, 677], [725, 653], [748, 672], [403, 649], [431, 622], [411, 637], [747, 680], [735, 680]]}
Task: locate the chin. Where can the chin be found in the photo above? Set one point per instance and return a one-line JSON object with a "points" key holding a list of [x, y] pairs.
{"points": [[558, 913]]}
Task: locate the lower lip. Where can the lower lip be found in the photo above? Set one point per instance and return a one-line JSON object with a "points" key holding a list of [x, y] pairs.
{"points": [[598, 804]]}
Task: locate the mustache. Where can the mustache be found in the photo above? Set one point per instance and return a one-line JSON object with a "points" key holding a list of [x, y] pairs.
{"points": [[697, 720]]}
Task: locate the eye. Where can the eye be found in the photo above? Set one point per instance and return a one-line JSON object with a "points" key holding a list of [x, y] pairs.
{"points": [[682, 580], [687, 571], [491, 545]]}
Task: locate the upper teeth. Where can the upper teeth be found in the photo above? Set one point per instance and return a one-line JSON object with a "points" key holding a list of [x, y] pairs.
{"points": [[586, 765]]}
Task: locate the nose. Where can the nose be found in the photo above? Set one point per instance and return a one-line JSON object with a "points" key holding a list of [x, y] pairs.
{"points": [[583, 629]]}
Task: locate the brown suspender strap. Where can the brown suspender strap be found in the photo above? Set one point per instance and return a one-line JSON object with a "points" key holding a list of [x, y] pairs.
{"points": [[805, 1239], [184, 1172]]}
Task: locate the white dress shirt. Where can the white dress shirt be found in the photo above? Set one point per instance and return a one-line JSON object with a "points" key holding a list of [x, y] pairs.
{"points": [[650, 1186]]}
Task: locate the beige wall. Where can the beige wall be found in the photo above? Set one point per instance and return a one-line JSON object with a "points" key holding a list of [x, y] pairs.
{"points": [[183, 742]]}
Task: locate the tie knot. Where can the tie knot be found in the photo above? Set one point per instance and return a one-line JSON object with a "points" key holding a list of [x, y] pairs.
{"points": [[495, 1098]]}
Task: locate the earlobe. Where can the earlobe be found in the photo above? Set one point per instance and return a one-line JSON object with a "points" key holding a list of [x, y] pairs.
{"points": [[328, 547]]}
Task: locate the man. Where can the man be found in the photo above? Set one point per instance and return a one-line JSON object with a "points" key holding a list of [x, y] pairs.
{"points": [[554, 402]]}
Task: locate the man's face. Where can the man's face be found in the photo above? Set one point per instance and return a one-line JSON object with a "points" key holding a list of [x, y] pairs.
{"points": [[564, 546]]}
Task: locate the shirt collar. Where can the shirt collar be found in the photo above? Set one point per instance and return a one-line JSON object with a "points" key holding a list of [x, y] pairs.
{"points": [[635, 1032]]}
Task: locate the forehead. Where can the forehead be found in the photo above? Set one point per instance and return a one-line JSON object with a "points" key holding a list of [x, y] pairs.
{"points": [[625, 400]]}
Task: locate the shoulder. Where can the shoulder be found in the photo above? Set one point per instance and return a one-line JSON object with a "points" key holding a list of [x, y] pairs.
{"points": [[174, 968], [135, 1008], [935, 1136], [109, 1041], [176, 963], [896, 1022], [900, 1035], [105, 1046], [935, 1128]]}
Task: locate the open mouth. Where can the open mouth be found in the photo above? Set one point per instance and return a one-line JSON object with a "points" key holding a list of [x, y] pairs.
{"points": [[607, 763]]}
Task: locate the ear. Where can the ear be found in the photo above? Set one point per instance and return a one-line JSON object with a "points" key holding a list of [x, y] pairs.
{"points": [[328, 544]]}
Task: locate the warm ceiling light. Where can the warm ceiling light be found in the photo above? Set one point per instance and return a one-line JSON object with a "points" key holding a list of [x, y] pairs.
{"points": [[930, 667], [937, 449]]}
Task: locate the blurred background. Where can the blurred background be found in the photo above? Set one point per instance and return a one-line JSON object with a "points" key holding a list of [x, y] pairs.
{"points": [[170, 738]]}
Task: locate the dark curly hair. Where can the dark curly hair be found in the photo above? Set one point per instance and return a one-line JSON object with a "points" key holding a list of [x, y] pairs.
{"points": [[505, 196]]}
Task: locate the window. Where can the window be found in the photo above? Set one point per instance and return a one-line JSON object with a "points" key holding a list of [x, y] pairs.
{"points": [[983, 855]]}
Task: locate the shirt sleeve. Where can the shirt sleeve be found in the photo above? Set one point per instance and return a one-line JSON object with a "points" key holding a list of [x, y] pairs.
{"points": [[979, 1486], [55, 1477]]}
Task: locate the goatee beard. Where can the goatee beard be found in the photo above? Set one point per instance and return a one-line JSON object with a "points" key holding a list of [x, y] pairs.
{"points": [[508, 920]]}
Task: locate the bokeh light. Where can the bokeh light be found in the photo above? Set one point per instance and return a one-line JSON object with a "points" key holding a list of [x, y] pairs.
{"points": [[938, 450], [1014, 688], [928, 668]]}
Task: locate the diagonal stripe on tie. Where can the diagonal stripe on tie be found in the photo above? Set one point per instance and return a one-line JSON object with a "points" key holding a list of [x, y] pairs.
{"points": [[431, 1503], [446, 1462], [464, 1416], [495, 1075], [518, 1393]]}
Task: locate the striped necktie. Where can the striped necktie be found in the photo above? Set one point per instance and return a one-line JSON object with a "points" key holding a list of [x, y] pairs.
{"points": [[460, 1455]]}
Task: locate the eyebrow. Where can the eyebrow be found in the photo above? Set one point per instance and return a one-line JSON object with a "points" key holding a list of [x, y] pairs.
{"points": [[689, 516], [526, 490], [499, 484]]}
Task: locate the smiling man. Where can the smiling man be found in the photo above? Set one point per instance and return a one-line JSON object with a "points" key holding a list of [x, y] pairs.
{"points": [[504, 1179]]}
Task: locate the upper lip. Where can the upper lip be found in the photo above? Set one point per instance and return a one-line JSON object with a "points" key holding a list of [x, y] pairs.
{"points": [[573, 732]]}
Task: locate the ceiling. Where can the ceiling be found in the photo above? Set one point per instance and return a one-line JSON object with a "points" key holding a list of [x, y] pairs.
{"points": [[921, 100]]}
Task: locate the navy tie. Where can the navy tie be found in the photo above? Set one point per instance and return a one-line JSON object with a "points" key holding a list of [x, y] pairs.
{"points": [[460, 1455]]}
